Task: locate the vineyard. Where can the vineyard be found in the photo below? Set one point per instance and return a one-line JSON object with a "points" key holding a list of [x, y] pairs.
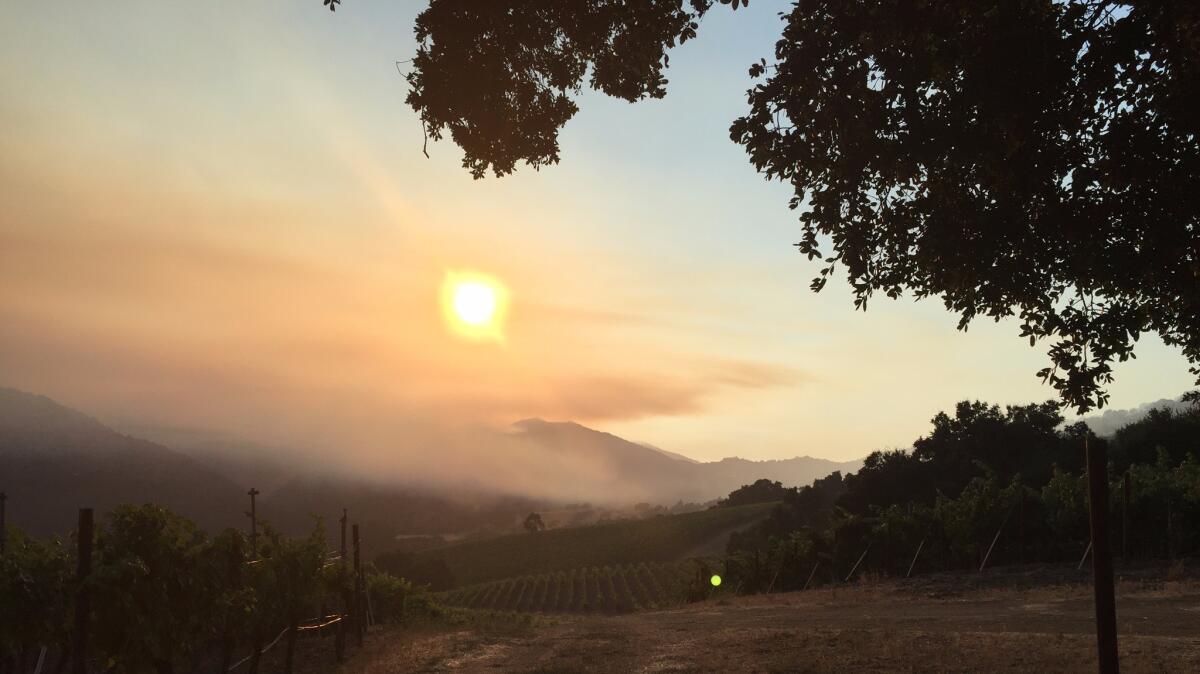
{"points": [[609, 589], [666, 538], [149, 591]]}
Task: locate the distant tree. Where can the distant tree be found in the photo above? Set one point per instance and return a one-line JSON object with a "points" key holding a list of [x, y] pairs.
{"points": [[534, 523], [1177, 433], [810, 506], [1019, 439], [762, 491], [887, 478]]}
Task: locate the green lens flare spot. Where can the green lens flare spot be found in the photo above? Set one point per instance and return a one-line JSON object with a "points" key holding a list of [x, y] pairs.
{"points": [[715, 580]]}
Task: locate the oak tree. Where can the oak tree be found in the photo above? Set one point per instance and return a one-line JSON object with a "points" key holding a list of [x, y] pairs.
{"points": [[1033, 159]]}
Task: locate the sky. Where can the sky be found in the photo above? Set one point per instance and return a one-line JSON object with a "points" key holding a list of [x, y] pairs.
{"points": [[217, 215]]}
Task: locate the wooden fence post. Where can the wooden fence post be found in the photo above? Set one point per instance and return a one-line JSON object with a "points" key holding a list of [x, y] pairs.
{"points": [[83, 605], [1102, 571], [1170, 538], [833, 575], [253, 522], [1125, 488], [3, 526], [342, 549], [340, 636], [359, 623], [370, 610], [1021, 527]]}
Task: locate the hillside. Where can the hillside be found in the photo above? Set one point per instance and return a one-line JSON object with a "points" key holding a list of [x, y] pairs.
{"points": [[386, 511], [54, 460], [657, 476], [657, 539]]}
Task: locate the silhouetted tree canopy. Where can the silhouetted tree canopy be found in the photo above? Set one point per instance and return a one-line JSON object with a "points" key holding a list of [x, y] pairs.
{"points": [[1014, 158], [982, 468], [976, 440], [1176, 434], [762, 491], [805, 507]]}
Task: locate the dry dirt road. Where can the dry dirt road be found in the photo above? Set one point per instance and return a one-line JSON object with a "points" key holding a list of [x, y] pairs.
{"points": [[879, 628]]}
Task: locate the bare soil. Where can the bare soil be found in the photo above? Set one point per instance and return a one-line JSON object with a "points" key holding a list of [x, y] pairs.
{"points": [[938, 624]]}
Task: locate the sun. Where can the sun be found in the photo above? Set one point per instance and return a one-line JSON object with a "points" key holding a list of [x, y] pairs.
{"points": [[474, 305]]}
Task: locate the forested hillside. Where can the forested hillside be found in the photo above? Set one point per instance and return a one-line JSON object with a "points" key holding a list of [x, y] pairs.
{"points": [[1005, 481]]}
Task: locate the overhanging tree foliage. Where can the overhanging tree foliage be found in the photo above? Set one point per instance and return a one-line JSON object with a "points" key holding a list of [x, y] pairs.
{"points": [[1017, 158]]}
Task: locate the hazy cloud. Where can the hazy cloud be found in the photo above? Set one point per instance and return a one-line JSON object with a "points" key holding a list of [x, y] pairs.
{"points": [[147, 328]]}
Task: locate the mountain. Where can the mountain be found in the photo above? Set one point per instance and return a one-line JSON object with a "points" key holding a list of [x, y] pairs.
{"points": [[1109, 422], [626, 471], [246, 464], [730, 473], [55, 460], [656, 476], [664, 452]]}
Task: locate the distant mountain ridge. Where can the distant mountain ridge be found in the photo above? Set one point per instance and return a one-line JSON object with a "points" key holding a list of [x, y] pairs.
{"points": [[1110, 421], [671, 477], [54, 459]]}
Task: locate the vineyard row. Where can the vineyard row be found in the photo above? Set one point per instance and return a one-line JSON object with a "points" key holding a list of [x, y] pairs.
{"points": [[609, 589]]}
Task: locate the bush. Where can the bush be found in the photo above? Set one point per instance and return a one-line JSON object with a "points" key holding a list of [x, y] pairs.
{"points": [[153, 603], [36, 585]]}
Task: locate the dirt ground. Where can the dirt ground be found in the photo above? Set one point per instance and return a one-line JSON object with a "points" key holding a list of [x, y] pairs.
{"points": [[882, 627]]}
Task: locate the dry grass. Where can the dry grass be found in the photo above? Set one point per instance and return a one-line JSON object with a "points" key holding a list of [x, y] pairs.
{"points": [[931, 626]]}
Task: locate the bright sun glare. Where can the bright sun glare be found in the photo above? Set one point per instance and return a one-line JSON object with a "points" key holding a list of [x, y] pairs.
{"points": [[474, 305]]}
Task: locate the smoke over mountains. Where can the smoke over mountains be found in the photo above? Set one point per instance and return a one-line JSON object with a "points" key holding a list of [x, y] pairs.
{"points": [[54, 459], [1107, 422]]}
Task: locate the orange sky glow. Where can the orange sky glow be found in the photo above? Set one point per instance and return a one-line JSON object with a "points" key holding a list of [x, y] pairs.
{"points": [[222, 219]]}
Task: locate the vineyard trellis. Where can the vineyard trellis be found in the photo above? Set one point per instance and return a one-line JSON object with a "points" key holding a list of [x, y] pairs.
{"points": [[609, 589], [1156, 507], [147, 590]]}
